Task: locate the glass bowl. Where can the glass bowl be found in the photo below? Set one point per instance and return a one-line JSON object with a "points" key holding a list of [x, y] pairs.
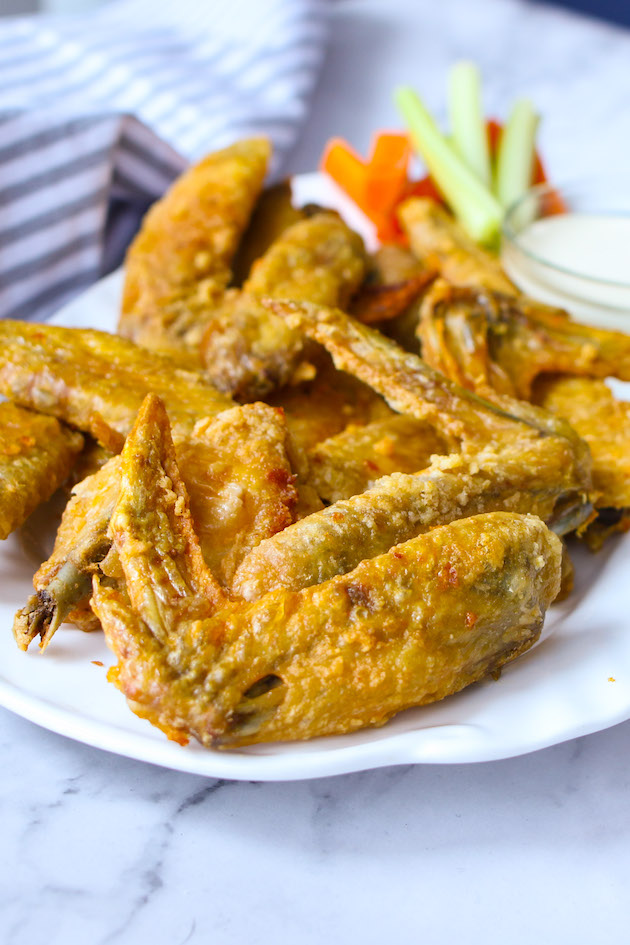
{"points": [[570, 246]]}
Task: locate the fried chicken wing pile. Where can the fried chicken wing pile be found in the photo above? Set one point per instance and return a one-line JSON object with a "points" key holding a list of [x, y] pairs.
{"points": [[308, 489]]}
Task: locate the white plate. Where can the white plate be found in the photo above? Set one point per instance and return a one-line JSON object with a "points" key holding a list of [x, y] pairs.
{"points": [[576, 681]]}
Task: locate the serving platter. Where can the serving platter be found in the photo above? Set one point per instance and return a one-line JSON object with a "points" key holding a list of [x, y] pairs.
{"points": [[576, 680]]}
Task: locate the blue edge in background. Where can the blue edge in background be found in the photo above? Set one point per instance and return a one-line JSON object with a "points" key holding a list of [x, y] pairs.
{"points": [[617, 11]]}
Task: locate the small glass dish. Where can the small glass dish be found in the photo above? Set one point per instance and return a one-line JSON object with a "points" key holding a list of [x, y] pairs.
{"points": [[570, 246]]}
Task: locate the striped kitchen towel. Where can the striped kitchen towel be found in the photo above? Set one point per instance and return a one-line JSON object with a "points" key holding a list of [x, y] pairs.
{"points": [[99, 112]]}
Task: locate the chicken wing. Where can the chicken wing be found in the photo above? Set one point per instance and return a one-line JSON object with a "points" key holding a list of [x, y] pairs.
{"points": [[513, 345], [412, 387], [62, 583], [407, 628], [440, 242], [401, 506], [241, 487], [96, 381], [247, 350], [36, 456], [484, 339], [179, 264]]}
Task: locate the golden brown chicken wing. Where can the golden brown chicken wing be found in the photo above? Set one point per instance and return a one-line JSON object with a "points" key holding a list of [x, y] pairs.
{"points": [[179, 264], [247, 350], [401, 506], [484, 339], [96, 381], [241, 487], [36, 456], [62, 583], [412, 387], [441, 243], [407, 628]]}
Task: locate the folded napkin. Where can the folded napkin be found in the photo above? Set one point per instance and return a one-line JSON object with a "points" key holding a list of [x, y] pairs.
{"points": [[99, 112]]}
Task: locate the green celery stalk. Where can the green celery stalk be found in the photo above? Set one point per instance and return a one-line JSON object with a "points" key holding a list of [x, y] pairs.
{"points": [[515, 157], [470, 137], [475, 206]]}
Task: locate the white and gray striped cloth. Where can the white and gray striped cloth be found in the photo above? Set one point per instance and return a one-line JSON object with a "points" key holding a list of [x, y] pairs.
{"points": [[99, 112]]}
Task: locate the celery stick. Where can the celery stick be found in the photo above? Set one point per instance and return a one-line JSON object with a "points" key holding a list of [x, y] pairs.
{"points": [[515, 158], [477, 209], [470, 137]]}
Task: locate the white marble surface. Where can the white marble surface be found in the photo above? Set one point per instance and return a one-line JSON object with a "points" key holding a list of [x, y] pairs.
{"points": [[99, 849]]}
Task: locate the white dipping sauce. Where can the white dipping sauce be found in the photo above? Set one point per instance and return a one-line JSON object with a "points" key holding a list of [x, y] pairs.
{"points": [[592, 253]]}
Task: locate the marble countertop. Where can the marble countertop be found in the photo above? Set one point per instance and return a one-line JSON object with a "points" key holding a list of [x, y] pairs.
{"points": [[100, 849]]}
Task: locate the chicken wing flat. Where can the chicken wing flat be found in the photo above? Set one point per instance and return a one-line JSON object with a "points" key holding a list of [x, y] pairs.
{"points": [[247, 350], [404, 629], [36, 456], [179, 264], [241, 487], [401, 506], [485, 339], [352, 461], [96, 381], [442, 244]]}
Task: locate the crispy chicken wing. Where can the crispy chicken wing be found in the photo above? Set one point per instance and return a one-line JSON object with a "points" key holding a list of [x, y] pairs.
{"points": [[412, 387], [62, 583], [442, 244], [179, 264], [400, 506], [485, 339], [407, 628], [96, 381], [247, 350], [241, 487], [36, 457]]}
